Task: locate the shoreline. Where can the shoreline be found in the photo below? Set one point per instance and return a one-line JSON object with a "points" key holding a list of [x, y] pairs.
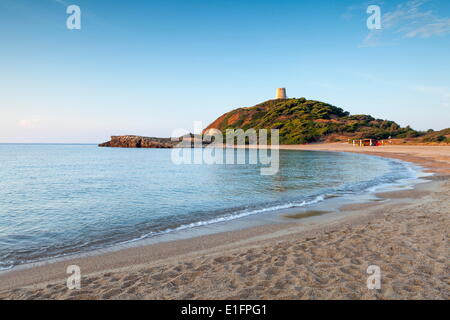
{"points": [[45, 281], [261, 216], [240, 221]]}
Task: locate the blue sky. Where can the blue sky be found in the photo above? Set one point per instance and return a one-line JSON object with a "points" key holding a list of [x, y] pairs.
{"points": [[150, 67]]}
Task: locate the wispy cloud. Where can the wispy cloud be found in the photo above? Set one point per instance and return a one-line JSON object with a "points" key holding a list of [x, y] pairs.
{"points": [[441, 26], [438, 93], [64, 3], [409, 20], [29, 123], [442, 93]]}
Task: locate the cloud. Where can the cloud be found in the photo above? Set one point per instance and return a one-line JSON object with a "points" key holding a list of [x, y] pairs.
{"points": [[350, 11], [442, 93], [432, 29], [64, 3], [372, 39], [29, 123], [406, 13], [409, 20]]}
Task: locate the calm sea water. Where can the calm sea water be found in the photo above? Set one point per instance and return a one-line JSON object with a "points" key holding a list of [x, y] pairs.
{"points": [[62, 199]]}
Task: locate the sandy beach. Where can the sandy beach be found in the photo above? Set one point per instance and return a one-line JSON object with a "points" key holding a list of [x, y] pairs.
{"points": [[406, 236]]}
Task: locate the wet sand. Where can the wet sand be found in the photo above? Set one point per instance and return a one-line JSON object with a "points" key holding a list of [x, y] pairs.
{"points": [[406, 236]]}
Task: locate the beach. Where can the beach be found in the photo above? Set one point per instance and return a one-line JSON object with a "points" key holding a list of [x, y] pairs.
{"points": [[406, 236]]}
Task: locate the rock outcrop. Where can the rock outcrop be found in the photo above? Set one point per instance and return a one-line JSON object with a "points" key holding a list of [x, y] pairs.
{"points": [[139, 142], [129, 141]]}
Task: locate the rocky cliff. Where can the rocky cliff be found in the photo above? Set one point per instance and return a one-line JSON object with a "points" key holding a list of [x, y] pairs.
{"points": [[138, 142], [129, 141]]}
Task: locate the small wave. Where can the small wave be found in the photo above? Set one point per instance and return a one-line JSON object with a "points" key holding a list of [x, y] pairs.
{"points": [[4, 266], [234, 216]]}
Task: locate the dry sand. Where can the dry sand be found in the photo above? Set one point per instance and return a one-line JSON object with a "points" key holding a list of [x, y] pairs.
{"points": [[407, 237]]}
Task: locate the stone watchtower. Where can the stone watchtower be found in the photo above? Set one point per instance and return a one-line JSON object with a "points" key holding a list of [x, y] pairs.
{"points": [[281, 93]]}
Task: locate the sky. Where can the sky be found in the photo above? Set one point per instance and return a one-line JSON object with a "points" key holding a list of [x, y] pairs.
{"points": [[151, 67]]}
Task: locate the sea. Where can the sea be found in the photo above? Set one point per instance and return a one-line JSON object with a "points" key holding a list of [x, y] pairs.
{"points": [[57, 200]]}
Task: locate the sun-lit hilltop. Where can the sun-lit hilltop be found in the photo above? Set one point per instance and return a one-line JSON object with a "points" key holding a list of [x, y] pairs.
{"points": [[302, 121]]}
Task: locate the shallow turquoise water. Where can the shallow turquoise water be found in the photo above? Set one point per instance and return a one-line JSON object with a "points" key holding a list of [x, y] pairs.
{"points": [[62, 199]]}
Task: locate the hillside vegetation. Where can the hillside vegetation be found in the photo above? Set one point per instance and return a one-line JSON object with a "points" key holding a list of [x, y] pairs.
{"points": [[304, 121], [442, 136]]}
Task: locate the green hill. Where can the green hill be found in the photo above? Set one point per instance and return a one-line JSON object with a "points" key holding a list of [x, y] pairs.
{"points": [[442, 136], [304, 121]]}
